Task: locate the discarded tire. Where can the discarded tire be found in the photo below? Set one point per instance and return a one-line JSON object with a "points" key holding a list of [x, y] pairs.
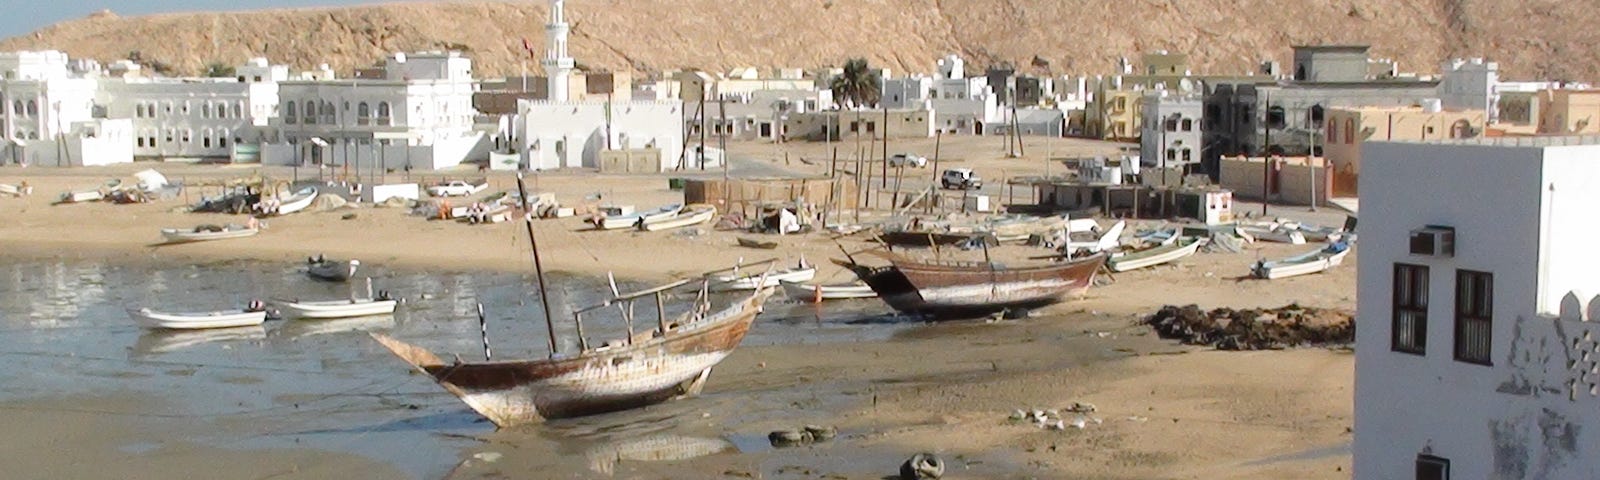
{"points": [[922, 466]]}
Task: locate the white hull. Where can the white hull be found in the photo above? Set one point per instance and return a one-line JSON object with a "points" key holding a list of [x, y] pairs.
{"points": [[1154, 256], [1107, 241], [728, 283], [82, 197], [196, 321], [1279, 235], [189, 235], [1313, 262], [618, 222], [681, 220], [297, 202], [337, 308], [817, 293]]}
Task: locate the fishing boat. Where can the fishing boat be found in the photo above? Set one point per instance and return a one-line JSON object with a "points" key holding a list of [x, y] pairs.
{"points": [[634, 219], [80, 196], [296, 202], [692, 215], [747, 280], [245, 317], [350, 308], [967, 289], [911, 238], [322, 268], [1107, 240], [1314, 261], [819, 293], [1158, 255], [1315, 233], [1273, 233], [670, 361], [207, 232]]}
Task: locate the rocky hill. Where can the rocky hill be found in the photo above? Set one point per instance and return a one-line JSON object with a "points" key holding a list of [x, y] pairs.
{"points": [[1530, 38]]}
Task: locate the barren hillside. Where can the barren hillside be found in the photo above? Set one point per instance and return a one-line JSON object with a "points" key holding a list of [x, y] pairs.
{"points": [[1530, 38]]}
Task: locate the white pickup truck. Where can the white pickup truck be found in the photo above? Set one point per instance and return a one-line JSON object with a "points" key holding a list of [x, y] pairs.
{"points": [[457, 188]]}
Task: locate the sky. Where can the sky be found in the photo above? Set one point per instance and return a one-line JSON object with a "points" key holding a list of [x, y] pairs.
{"points": [[20, 17]]}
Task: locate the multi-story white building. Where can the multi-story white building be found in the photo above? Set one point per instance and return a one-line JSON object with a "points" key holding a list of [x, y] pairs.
{"points": [[960, 104], [48, 115], [418, 116], [1478, 335], [1174, 118], [195, 117]]}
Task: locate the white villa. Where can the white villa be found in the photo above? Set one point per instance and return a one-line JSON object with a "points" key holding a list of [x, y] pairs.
{"points": [[196, 118], [1478, 339], [960, 104], [419, 116], [48, 114], [645, 135]]}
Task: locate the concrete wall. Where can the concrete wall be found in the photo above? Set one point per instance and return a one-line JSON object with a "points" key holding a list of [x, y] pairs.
{"points": [[1347, 128], [1569, 112], [1516, 419], [902, 124], [1293, 177]]}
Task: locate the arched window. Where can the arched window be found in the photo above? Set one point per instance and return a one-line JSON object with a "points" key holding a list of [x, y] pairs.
{"points": [[328, 113], [238, 110], [1461, 129], [1188, 125], [1316, 115], [289, 113], [311, 112], [1276, 117], [205, 110], [1333, 131], [363, 113], [33, 108], [17, 109], [1350, 131], [384, 113]]}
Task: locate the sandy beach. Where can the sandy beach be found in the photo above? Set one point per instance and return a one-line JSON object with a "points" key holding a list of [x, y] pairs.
{"points": [[1165, 410]]}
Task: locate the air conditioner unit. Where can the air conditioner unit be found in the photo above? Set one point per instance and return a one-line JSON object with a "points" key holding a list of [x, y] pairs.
{"points": [[1434, 241]]}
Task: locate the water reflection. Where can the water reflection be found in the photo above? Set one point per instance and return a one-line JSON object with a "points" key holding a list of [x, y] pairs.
{"points": [[163, 341], [605, 456], [304, 328]]}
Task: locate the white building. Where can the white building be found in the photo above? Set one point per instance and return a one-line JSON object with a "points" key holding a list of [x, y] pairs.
{"points": [[48, 115], [1476, 349], [195, 117], [418, 116], [566, 134], [960, 104], [1173, 118]]}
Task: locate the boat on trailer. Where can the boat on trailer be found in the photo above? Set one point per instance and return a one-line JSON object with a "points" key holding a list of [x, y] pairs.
{"points": [[970, 289], [1315, 261], [670, 361]]}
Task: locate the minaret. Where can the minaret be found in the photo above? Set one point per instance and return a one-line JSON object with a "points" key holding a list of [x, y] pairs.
{"points": [[557, 64]]}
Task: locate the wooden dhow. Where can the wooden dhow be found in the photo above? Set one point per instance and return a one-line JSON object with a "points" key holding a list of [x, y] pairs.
{"points": [[971, 289]]}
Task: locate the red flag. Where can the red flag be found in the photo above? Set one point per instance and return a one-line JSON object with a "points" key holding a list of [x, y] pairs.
{"points": [[526, 46]]}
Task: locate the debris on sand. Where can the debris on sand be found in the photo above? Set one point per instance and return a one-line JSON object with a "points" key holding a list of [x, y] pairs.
{"points": [[1255, 329], [922, 466], [802, 436]]}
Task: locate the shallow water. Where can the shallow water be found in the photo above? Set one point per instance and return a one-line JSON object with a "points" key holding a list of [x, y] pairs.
{"points": [[325, 384]]}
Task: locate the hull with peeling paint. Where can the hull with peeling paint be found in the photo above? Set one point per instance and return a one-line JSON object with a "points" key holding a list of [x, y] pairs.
{"points": [[656, 368], [973, 290]]}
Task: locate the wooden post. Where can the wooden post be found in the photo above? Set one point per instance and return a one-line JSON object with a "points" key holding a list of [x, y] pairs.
{"points": [[483, 328], [898, 173], [583, 343], [885, 131], [938, 138], [661, 315]]}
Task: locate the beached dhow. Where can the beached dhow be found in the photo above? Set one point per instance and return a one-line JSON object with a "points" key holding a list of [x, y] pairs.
{"points": [[944, 289]]}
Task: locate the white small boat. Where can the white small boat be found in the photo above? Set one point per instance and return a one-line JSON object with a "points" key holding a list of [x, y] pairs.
{"points": [[1321, 234], [633, 219], [82, 196], [198, 321], [207, 232], [693, 215], [9, 189], [1273, 233], [750, 280], [336, 308], [1106, 241], [296, 202], [1315, 261], [1154, 256], [818, 293]]}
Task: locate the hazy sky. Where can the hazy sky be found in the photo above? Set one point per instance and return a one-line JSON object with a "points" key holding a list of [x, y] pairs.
{"points": [[19, 17]]}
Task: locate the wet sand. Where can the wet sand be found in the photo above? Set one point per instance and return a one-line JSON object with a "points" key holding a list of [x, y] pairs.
{"points": [[1166, 411]]}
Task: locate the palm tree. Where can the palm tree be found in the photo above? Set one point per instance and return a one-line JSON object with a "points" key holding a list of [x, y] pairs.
{"points": [[859, 85]]}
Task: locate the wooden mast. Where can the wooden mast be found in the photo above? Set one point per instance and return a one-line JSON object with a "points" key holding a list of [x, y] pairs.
{"points": [[538, 266]]}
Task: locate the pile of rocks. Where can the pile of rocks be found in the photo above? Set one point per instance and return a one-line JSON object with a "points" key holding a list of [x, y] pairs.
{"points": [[1255, 329]]}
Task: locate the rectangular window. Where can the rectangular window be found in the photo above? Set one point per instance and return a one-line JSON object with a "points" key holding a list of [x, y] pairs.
{"points": [[1474, 316], [1410, 334], [1430, 467]]}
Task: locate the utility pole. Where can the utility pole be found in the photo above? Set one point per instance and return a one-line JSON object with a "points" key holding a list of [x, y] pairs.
{"points": [[938, 139], [702, 114], [885, 130], [1266, 151], [1311, 136]]}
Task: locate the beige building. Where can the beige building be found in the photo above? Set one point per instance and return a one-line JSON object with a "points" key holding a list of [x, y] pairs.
{"points": [[1569, 112], [1348, 127], [1289, 180]]}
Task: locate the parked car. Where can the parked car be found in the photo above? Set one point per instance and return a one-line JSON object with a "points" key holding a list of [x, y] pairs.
{"points": [[908, 160], [960, 179], [456, 188]]}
